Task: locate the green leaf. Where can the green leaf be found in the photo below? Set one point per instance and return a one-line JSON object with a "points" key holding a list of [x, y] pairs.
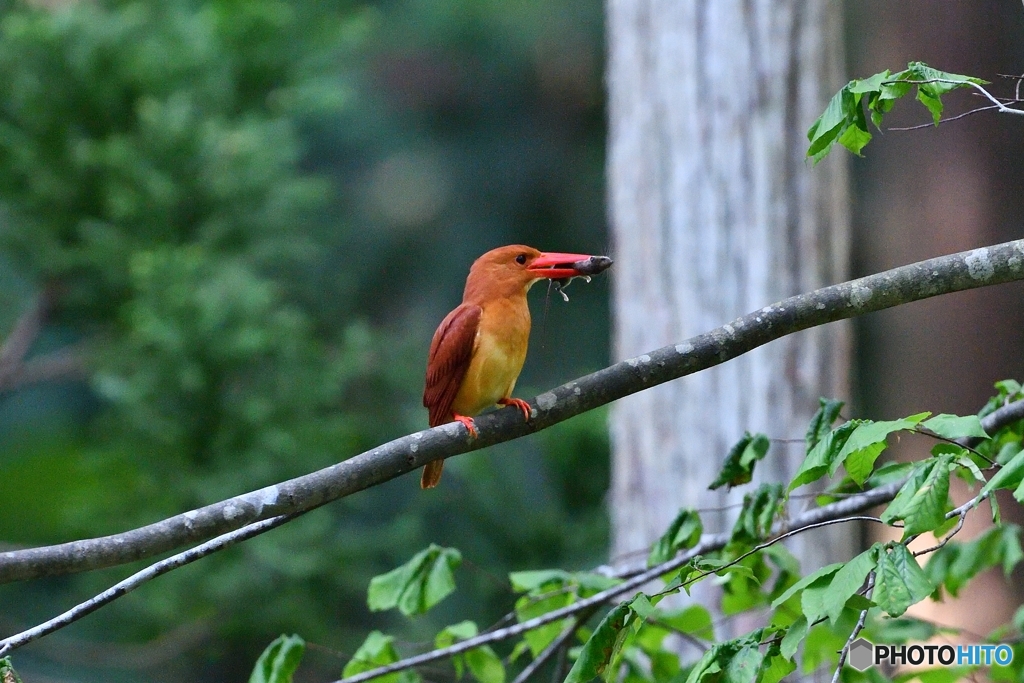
{"points": [[523, 582], [865, 444], [378, 650], [7, 672], [954, 564], [776, 668], [529, 606], [820, 458], [754, 522], [485, 665], [744, 666], [845, 583], [899, 581], [807, 581], [922, 503], [733, 658], [1009, 475], [600, 648], [821, 423], [954, 427], [794, 636], [855, 138], [417, 585], [738, 467], [279, 660], [683, 533], [641, 604]]}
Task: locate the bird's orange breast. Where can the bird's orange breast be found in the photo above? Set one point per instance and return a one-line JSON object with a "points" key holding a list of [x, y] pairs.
{"points": [[499, 351]]}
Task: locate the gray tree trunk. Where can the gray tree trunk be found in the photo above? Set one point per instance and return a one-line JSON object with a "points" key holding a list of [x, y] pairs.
{"points": [[715, 213]]}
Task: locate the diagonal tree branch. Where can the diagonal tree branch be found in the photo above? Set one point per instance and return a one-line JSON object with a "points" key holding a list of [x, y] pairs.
{"points": [[841, 511], [956, 272]]}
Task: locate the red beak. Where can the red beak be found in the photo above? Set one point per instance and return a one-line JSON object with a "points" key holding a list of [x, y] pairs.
{"points": [[556, 266]]}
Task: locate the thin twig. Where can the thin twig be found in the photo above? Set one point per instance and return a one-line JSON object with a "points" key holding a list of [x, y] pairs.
{"points": [[1003, 109], [126, 586], [844, 653], [946, 120], [555, 645], [941, 544]]}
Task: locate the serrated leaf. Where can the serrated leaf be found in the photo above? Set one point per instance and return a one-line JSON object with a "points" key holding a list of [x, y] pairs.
{"points": [[1009, 475], [600, 650], [860, 464], [719, 658], [377, 650], [738, 467], [855, 138], [807, 581], [641, 604], [683, 533], [775, 669], [923, 501], [899, 581], [821, 423], [744, 666], [759, 509], [794, 636], [846, 582], [956, 427], [867, 441], [417, 585], [870, 84], [818, 460], [279, 660]]}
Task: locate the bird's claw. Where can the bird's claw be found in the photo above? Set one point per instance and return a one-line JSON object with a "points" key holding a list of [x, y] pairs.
{"points": [[523, 406], [468, 423]]}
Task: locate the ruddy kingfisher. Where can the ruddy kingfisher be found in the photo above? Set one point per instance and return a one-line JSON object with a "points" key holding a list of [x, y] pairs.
{"points": [[479, 348]]}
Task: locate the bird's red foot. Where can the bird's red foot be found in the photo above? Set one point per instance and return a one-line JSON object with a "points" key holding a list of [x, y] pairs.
{"points": [[468, 423], [523, 406]]}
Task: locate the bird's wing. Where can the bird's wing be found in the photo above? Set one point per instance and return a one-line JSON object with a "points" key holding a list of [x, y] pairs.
{"points": [[450, 353]]}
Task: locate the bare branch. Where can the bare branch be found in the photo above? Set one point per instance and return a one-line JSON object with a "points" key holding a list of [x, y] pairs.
{"points": [[956, 272], [854, 633], [126, 586], [556, 645]]}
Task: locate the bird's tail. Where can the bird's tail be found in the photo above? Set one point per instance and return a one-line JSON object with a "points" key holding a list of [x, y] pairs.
{"points": [[431, 474]]}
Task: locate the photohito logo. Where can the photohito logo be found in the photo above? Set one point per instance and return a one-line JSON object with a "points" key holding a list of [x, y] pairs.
{"points": [[864, 654]]}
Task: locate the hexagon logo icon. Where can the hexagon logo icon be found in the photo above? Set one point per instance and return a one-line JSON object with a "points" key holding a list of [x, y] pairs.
{"points": [[861, 654]]}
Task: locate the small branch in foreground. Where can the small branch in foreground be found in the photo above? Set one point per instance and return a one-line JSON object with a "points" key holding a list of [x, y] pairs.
{"points": [[135, 580], [845, 652], [953, 273], [556, 645]]}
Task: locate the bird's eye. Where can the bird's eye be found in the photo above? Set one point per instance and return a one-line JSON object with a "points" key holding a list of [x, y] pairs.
{"points": [[521, 259]]}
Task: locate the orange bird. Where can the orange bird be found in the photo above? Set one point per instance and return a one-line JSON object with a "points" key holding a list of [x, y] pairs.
{"points": [[478, 349]]}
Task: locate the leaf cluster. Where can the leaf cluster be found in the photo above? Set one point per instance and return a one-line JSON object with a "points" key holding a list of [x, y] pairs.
{"points": [[811, 617], [844, 120]]}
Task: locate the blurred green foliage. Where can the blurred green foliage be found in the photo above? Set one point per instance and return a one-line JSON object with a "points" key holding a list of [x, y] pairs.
{"points": [[253, 213]]}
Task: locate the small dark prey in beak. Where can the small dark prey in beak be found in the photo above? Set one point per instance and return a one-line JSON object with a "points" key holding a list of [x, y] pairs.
{"points": [[585, 268]]}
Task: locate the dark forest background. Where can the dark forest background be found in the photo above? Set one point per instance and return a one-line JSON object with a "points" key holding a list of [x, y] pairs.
{"points": [[249, 216]]}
